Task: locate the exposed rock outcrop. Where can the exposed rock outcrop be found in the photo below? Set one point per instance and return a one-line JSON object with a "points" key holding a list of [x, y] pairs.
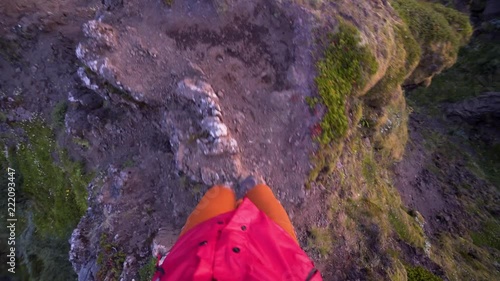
{"points": [[199, 135], [101, 38], [484, 108]]}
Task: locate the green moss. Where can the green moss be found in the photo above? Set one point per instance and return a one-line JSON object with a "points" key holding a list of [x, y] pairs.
{"points": [[55, 186], [458, 21], [397, 271], [44, 258], [439, 31], [413, 52], [430, 22], [81, 142], [320, 240], [59, 114], [404, 61], [460, 257], [110, 260], [419, 273], [369, 170], [344, 69], [484, 162], [51, 193], [147, 271], [384, 206], [489, 235], [312, 102], [406, 228], [366, 209], [371, 213], [462, 260], [324, 161]]}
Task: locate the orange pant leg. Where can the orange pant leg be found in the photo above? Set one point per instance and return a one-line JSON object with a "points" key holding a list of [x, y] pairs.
{"points": [[217, 200], [262, 196]]}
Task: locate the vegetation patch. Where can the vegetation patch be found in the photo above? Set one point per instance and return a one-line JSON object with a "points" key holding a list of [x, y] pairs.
{"points": [[391, 131], [54, 184], [345, 67], [429, 22], [404, 60], [110, 260], [370, 211], [3, 117], [474, 257], [367, 207], [462, 260], [439, 32], [405, 40], [129, 163], [312, 102], [320, 240], [474, 73], [147, 271], [407, 228], [418, 273], [458, 21], [59, 114], [386, 204], [369, 170], [83, 143], [489, 235], [52, 197]]}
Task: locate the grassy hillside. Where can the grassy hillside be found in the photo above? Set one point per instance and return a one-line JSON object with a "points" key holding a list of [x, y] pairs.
{"points": [[362, 135], [52, 197]]}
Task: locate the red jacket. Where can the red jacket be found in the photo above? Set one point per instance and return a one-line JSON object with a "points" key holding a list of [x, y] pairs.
{"points": [[243, 244]]}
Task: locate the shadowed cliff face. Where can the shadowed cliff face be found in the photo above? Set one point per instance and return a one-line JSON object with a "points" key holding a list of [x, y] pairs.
{"points": [[163, 99]]}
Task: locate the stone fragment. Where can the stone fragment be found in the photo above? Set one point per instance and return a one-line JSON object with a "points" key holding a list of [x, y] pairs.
{"points": [[103, 33], [214, 127]]}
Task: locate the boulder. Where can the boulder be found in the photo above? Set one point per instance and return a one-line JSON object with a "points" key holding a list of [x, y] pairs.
{"points": [[484, 108]]}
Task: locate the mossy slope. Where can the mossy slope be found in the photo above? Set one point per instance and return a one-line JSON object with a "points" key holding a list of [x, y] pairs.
{"points": [[363, 133]]}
